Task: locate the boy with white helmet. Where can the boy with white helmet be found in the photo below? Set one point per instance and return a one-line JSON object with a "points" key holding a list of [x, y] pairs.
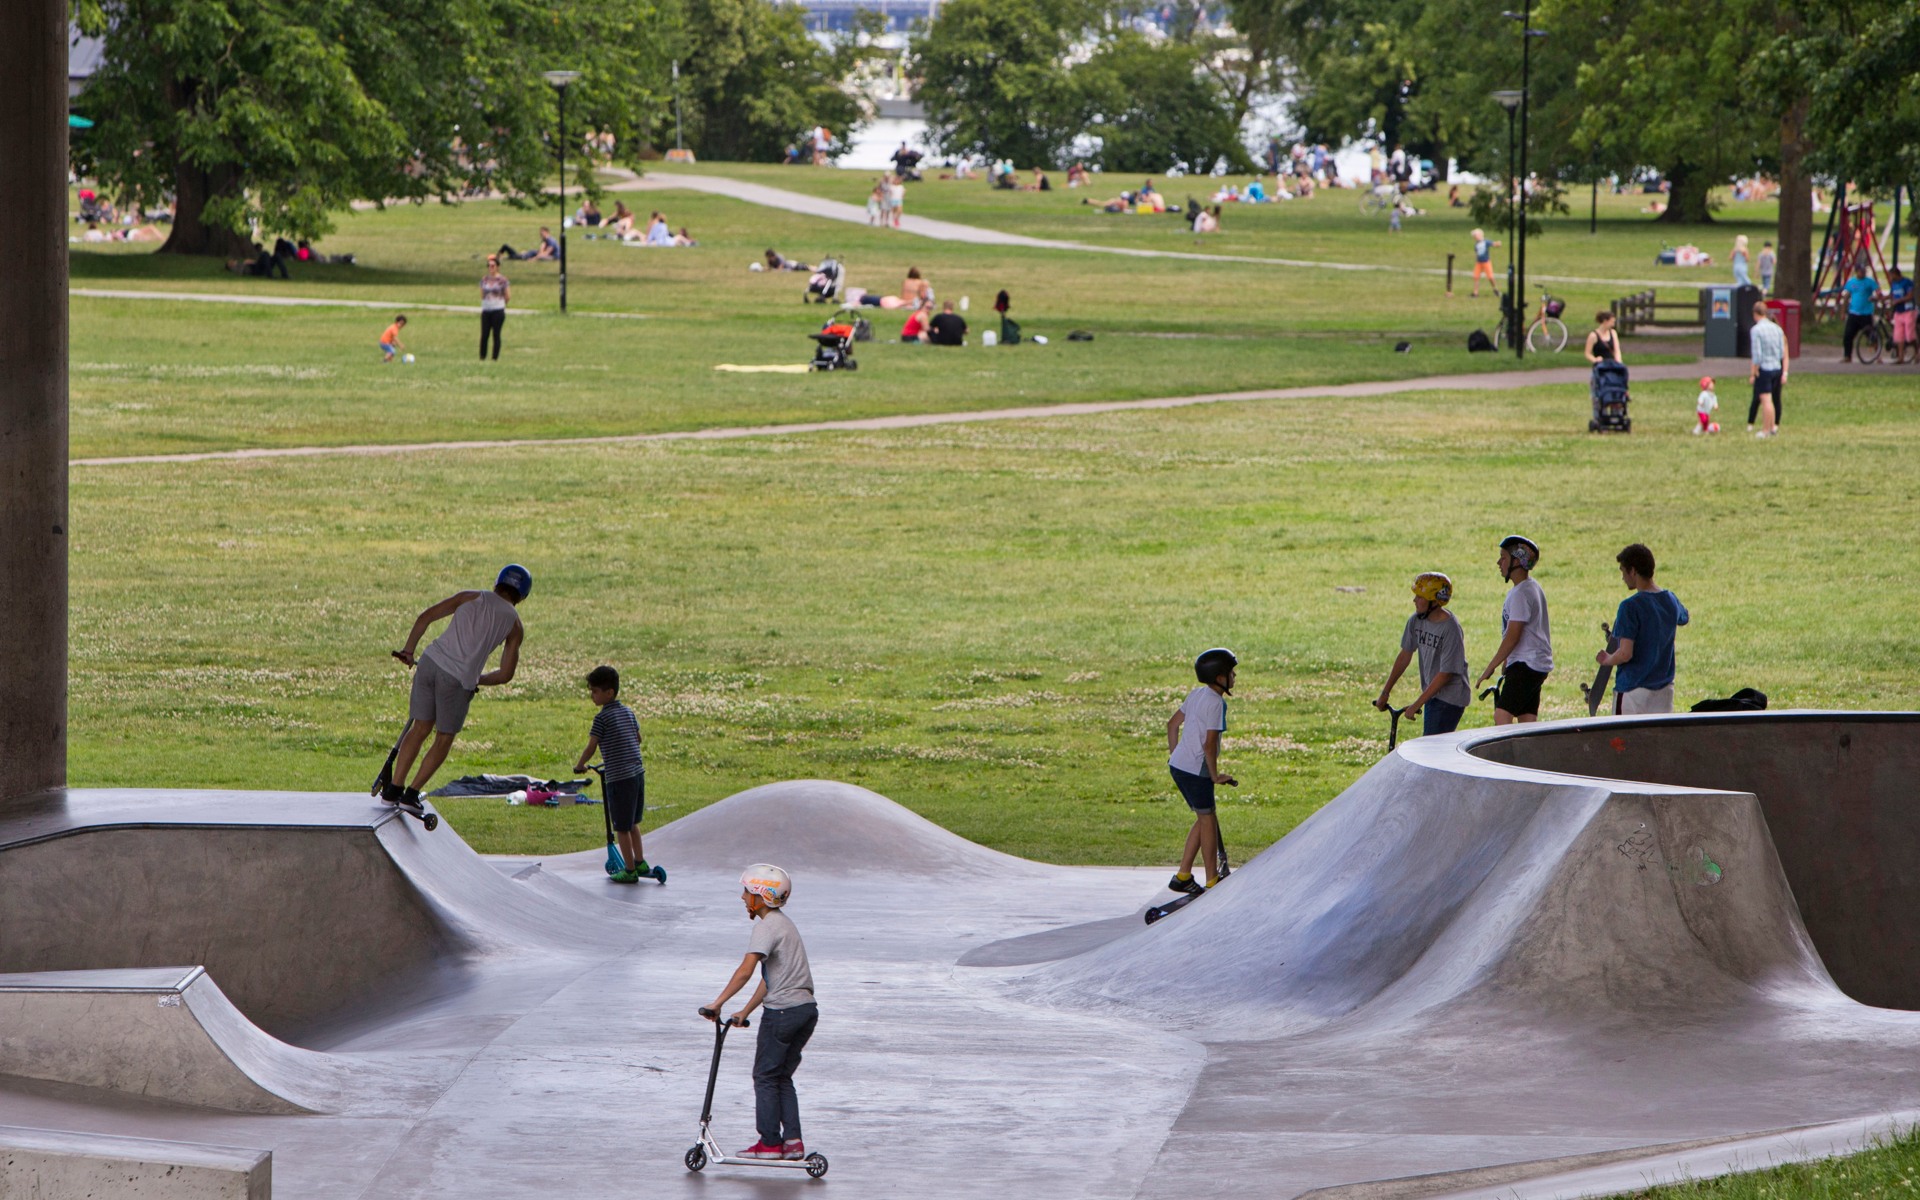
{"points": [[785, 991], [1526, 640], [452, 671], [1434, 632], [1193, 758]]}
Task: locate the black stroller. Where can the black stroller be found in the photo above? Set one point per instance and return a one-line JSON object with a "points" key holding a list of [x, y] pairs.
{"points": [[1610, 398], [835, 351], [825, 284]]}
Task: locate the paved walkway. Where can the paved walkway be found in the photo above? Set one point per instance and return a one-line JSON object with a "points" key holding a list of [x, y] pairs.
{"points": [[951, 231], [1489, 382]]}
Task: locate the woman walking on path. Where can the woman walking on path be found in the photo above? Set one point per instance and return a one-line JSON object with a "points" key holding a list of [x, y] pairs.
{"points": [[1741, 259], [494, 292], [1603, 344]]}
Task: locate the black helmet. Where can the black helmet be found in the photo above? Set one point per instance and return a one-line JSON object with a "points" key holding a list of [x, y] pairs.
{"points": [[1214, 663], [1524, 553]]}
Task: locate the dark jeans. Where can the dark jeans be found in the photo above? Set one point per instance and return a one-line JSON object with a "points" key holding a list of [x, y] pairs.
{"points": [[1857, 324], [491, 319], [1767, 383], [1441, 717], [783, 1034]]}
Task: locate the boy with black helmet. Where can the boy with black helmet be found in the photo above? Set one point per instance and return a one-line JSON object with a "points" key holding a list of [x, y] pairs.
{"points": [[1193, 758], [1526, 640], [452, 671], [1435, 634]]}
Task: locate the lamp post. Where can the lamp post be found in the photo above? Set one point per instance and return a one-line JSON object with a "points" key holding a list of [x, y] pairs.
{"points": [[1527, 34], [1510, 100], [559, 81]]}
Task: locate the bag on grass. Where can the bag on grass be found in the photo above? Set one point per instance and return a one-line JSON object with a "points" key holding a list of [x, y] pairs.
{"points": [[1009, 332], [1744, 700], [862, 330], [1478, 341]]}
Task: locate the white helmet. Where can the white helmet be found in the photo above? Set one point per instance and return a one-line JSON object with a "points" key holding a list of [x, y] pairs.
{"points": [[768, 882]]}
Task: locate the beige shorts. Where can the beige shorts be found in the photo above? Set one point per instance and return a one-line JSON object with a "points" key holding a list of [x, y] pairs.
{"points": [[1643, 701]]}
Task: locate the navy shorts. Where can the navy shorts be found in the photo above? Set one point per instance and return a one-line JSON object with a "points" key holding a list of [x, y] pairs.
{"points": [[1197, 790], [626, 800]]}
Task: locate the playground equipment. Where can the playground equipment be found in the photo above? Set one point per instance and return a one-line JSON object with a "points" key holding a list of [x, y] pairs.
{"points": [[1851, 238]]}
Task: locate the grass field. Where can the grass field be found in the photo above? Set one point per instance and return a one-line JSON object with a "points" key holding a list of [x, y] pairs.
{"points": [[1889, 1171]]}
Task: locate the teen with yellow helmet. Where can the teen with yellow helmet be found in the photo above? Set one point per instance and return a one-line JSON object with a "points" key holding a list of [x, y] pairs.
{"points": [[1435, 635]]}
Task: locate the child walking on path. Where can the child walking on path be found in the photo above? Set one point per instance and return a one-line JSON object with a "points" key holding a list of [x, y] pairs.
{"points": [[1193, 758], [623, 774], [786, 992], [1704, 407], [1645, 624], [1526, 639], [448, 676], [1434, 632]]}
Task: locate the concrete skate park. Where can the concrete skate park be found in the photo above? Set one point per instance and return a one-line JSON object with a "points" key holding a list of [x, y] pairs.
{"points": [[1551, 960]]}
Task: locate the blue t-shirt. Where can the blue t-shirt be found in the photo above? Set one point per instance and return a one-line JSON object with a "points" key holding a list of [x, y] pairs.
{"points": [[1483, 251], [1860, 294], [1649, 619], [1902, 292]]}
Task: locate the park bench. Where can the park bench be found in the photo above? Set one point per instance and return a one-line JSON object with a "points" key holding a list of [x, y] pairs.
{"points": [[1646, 310]]}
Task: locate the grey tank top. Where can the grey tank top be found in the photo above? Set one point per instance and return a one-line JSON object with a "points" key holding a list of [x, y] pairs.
{"points": [[476, 630]]}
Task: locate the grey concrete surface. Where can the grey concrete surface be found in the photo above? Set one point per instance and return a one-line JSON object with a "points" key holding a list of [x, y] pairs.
{"points": [[41, 1164], [1467, 973]]}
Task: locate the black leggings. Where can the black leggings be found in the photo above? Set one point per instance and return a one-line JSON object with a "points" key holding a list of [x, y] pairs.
{"points": [[491, 319]]}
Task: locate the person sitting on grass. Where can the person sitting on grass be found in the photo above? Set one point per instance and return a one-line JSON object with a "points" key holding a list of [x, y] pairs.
{"points": [[919, 324], [1207, 220], [622, 222], [683, 238], [451, 673], [1123, 203], [658, 231], [623, 773], [777, 261], [1435, 634], [547, 251], [1077, 175], [1193, 759], [949, 328]]}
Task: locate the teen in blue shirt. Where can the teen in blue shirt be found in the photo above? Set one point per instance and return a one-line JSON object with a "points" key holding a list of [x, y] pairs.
{"points": [[1860, 293], [1645, 625]]}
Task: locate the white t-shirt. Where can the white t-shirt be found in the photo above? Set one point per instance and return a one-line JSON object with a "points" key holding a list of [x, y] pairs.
{"points": [[1707, 402], [1526, 602], [1205, 710]]}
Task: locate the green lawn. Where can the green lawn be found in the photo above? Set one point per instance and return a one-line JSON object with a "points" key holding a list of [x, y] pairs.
{"points": [[1889, 1171]]}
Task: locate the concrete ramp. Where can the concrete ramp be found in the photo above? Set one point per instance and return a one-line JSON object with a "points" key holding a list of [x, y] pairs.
{"points": [[164, 1034]]}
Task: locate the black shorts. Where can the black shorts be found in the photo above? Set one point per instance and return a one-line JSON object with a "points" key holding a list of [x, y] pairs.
{"points": [[1519, 691], [1197, 790], [626, 801]]}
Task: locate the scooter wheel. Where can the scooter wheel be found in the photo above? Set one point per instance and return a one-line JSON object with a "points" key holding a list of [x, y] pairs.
{"points": [[696, 1157], [431, 821], [816, 1165]]}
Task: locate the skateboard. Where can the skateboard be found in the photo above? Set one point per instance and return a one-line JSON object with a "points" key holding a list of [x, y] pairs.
{"points": [[1179, 902], [380, 782], [1595, 692]]}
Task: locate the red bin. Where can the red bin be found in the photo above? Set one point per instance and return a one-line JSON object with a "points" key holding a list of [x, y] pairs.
{"points": [[1786, 314]]}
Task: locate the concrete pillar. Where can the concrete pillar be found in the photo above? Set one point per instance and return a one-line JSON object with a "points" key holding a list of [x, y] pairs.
{"points": [[33, 398]]}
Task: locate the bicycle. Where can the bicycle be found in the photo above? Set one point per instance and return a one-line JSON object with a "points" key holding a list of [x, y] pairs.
{"points": [[1548, 333], [1873, 340], [1378, 199]]}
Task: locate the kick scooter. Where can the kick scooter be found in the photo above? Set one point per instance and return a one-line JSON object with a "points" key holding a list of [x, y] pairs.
{"points": [[707, 1150]]}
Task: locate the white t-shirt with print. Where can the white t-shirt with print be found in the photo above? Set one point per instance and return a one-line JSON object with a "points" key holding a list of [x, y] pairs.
{"points": [[1527, 602], [1206, 710], [1707, 402]]}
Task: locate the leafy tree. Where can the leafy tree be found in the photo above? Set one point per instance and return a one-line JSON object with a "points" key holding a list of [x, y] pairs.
{"points": [[274, 114], [756, 79], [995, 78], [1156, 109]]}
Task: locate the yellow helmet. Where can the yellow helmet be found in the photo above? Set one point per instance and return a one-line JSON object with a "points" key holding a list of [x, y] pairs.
{"points": [[1433, 587]]}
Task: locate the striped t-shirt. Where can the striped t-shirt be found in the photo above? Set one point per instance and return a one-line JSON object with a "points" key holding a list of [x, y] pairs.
{"points": [[618, 732]]}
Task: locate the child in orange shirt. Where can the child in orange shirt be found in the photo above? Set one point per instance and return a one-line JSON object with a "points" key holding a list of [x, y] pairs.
{"points": [[390, 340]]}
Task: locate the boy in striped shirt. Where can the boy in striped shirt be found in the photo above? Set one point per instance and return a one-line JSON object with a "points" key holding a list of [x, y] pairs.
{"points": [[616, 736]]}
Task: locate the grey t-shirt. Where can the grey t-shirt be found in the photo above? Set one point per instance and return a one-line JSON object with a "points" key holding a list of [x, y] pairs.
{"points": [[1528, 603], [1442, 647], [783, 964]]}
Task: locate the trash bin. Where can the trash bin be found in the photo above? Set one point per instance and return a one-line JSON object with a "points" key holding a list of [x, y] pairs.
{"points": [[1786, 314], [1722, 328], [1744, 298]]}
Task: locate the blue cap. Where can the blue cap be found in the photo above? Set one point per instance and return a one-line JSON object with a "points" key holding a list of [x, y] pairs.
{"points": [[517, 577]]}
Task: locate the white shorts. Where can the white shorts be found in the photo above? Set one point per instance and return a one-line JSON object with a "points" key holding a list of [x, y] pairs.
{"points": [[1643, 701]]}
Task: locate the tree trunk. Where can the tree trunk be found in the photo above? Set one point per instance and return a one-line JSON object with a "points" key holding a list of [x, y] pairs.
{"points": [[1793, 274], [191, 234], [1687, 201]]}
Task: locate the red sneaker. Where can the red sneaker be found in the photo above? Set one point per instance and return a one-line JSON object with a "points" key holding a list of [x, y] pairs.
{"points": [[794, 1149], [761, 1150]]}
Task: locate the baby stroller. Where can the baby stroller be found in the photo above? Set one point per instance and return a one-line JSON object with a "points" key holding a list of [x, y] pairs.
{"points": [[835, 351], [825, 284], [1610, 398]]}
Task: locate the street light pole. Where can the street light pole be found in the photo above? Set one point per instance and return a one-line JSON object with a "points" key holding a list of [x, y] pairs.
{"points": [[559, 81], [1510, 100], [1527, 34]]}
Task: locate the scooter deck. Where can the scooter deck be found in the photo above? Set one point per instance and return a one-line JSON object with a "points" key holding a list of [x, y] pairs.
{"points": [[1172, 906]]}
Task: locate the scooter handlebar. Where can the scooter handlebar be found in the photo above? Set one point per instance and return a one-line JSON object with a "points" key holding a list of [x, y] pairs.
{"points": [[714, 1016]]}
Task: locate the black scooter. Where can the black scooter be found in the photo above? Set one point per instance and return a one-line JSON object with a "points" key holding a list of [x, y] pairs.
{"points": [[707, 1150]]}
